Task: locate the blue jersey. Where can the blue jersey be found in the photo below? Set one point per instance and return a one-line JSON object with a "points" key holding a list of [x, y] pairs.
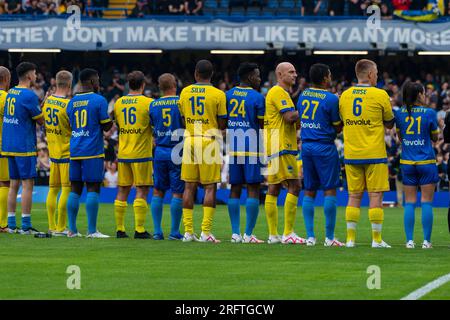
{"points": [[319, 112], [245, 106], [87, 112], [166, 120], [416, 134], [19, 122]]}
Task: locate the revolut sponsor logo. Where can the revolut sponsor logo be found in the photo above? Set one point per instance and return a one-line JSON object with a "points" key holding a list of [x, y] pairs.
{"points": [[82, 133], [417, 142], [360, 122]]}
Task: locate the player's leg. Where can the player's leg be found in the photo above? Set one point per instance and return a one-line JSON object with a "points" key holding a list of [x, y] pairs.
{"points": [[162, 183], [410, 182], [176, 203], [271, 208], [311, 181], [289, 170], [252, 212], [52, 196], [234, 211], [377, 177], [428, 179], [27, 170], [209, 209], [12, 203], [124, 181], [4, 190], [92, 174], [73, 202], [61, 226], [356, 184], [140, 207]]}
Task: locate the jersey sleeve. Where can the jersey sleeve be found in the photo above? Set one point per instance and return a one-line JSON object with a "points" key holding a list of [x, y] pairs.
{"points": [[180, 104], [334, 110], [397, 120], [385, 101], [222, 105], [104, 117], [32, 105], [283, 101], [260, 106], [433, 121]]}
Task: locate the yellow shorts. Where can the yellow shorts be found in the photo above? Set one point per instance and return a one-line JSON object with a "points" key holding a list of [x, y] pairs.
{"points": [[300, 168], [4, 171], [135, 173], [282, 168], [201, 160], [370, 177], [59, 175]]}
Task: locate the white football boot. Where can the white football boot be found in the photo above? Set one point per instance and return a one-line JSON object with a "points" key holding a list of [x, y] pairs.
{"points": [[189, 237], [97, 235], [410, 244], [332, 243], [292, 239], [381, 244], [208, 238], [426, 245], [273, 239], [251, 239], [311, 242], [236, 238]]}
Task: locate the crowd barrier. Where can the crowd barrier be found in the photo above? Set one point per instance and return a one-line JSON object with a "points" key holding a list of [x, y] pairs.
{"points": [[107, 195]]}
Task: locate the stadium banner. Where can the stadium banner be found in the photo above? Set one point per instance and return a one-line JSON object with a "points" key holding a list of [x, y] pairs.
{"points": [[101, 34], [108, 195]]}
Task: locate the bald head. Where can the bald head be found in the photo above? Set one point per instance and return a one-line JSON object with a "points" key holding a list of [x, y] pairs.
{"points": [[5, 78], [63, 79], [167, 84], [366, 71], [286, 74]]}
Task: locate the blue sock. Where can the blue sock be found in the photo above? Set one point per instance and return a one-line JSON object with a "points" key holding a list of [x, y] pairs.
{"points": [[427, 220], [157, 208], [176, 211], [252, 210], [329, 208], [26, 221], [12, 221], [73, 203], [308, 215], [408, 220], [234, 210], [92, 211]]}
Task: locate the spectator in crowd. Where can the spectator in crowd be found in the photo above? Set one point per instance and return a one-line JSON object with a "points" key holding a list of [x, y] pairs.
{"points": [[43, 164], [111, 175], [33, 9], [386, 12], [356, 7], [310, 7], [336, 7], [13, 6], [141, 9], [117, 85], [176, 7], [193, 7]]}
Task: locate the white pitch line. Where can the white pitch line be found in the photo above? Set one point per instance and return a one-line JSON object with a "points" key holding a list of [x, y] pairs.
{"points": [[419, 293]]}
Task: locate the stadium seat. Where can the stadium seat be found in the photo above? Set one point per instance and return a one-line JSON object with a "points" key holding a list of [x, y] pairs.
{"points": [[211, 4], [253, 12]]}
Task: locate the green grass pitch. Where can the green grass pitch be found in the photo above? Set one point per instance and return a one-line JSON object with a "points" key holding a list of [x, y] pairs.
{"points": [[146, 269]]}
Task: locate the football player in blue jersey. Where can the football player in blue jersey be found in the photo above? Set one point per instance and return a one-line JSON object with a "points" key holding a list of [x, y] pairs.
{"points": [[88, 117], [320, 122], [167, 125], [21, 113], [245, 106], [417, 127]]}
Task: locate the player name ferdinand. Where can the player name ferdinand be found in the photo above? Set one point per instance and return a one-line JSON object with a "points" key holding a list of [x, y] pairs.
{"points": [[203, 311]]}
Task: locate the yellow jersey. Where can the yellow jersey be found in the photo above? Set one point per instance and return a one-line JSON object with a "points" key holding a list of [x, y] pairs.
{"points": [[57, 128], [3, 95], [280, 137], [132, 114], [363, 111], [201, 105]]}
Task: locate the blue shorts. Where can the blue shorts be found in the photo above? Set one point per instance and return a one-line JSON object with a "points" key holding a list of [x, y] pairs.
{"points": [[22, 168], [321, 170], [86, 170], [246, 172], [167, 175], [419, 175]]}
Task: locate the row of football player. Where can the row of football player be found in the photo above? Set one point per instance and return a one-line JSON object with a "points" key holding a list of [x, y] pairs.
{"points": [[203, 103]]}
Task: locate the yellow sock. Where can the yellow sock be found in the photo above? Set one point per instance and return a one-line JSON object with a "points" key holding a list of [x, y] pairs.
{"points": [[376, 217], [4, 206], [208, 215], [62, 209], [120, 207], [52, 198], [290, 211], [140, 210], [187, 220], [352, 217], [270, 206]]}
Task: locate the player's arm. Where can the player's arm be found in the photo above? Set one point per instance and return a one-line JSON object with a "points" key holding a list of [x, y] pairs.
{"points": [[335, 117], [34, 110], [105, 121], [260, 111], [222, 111], [434, 125], [388, 115]]}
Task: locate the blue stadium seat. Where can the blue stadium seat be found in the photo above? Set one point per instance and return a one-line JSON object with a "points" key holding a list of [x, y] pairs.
{"points": [[253, 12], [288, 4], [272, 4], [211, 4], [224, 3]]}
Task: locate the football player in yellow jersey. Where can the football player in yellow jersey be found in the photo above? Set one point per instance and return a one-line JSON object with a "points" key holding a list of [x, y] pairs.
{"points": [[280, 127], [204, 111], [365, 111], [5, 78], [132, 115], [58, 133]]}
